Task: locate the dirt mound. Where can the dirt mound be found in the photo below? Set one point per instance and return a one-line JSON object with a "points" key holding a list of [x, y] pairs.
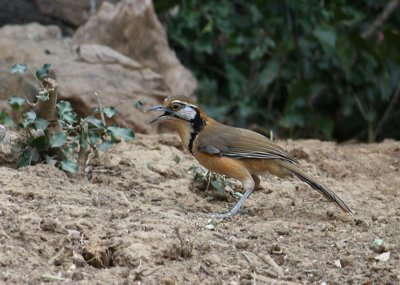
{"points": [[141, 219]]}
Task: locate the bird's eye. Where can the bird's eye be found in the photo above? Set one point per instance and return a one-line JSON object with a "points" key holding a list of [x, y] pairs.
{"points": [[175, 107]]}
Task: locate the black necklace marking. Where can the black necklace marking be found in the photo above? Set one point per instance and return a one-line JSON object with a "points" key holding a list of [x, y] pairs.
{"points": [[197, 125]]}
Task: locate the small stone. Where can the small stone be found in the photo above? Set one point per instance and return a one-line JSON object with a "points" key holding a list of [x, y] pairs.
{"points": [[241, 243], [77, 276], [338, 264], [51, 225], [347, 261], [74, 235], [361, 223], [168, 281], [383, 257], [78, 259]]}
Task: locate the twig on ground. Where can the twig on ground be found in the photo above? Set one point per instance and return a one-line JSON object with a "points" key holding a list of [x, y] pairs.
{"points": [[222, 236], [248, 259], [271, 262], [208, 272], [100, 108]]}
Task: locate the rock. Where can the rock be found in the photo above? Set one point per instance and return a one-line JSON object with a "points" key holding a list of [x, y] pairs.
{"points": [[22, 11], [77, 276], [78, 259], [132, 255], [168, 281], [72, 12], [10, 146], [74, 235], [347, 261], [34, 31], [241, 243], [132, 28], [119, 80], [51, 225]]}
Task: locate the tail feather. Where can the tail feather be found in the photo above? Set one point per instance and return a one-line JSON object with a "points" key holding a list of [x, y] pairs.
{"points": [[315, 184]]}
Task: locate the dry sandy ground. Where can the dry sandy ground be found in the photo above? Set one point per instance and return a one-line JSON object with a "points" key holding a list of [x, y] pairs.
{"points": [[141, 220]]}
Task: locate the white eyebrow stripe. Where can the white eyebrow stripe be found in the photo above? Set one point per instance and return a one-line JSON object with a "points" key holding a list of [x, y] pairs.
{"points": [[185, 103]]}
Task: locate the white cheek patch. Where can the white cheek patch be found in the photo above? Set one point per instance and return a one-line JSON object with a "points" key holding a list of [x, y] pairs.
{"points": [[187, 113]]}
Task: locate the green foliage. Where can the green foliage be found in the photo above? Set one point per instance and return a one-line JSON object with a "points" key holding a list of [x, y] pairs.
{"points": [[75, 137], [6, 120], [43, 71], [16, 102], [301, 66], [207, 178], [18, 68]]}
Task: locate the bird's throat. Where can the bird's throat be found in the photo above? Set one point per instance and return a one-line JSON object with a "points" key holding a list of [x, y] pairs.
{"points": [[197, 124]]}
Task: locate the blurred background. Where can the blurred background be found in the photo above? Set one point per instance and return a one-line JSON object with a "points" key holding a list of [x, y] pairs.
{"points": [[303, 69], [309, 69]]}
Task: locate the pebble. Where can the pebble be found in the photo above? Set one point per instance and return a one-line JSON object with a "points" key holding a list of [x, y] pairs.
{"points": [[168, 281], [74, 235], [77, 276], [347, 261]]}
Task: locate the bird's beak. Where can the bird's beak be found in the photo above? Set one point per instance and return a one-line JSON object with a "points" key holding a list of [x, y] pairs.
{"points": [[158, 108]]}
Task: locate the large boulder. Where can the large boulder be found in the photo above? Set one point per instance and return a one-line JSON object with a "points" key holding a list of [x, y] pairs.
{"points": [[73, 12], [67, 14], [80, 70], [132, 28]]}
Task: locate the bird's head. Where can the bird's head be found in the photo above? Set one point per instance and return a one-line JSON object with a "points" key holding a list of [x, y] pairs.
{"points": [[176, 108]]}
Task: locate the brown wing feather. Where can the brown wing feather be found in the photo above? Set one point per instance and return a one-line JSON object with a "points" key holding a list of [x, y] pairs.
{"points": [[238, 143]]}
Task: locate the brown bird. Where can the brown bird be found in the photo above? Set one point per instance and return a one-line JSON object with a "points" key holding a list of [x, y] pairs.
{"points": [[238, 153]]}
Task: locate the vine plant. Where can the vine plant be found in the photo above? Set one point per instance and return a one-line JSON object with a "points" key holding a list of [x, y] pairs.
{"points": [[55, 134]]}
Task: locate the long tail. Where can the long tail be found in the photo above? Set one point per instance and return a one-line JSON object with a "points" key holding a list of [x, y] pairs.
{"points": [[315, 184]]}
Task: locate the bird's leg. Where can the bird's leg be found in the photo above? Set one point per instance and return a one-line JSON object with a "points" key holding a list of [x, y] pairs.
{"points": [[256, 180], [248, 185]]}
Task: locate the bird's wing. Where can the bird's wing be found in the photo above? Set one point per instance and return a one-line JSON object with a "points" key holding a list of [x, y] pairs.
{"points": [[239, 144]]}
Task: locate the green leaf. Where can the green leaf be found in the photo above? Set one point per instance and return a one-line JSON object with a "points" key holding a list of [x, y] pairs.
{"points": [[218, 186], [18, 68], [66, 113], [16, 102], [208, 28], [139, 105], [70, 166], [83, 139], [268, 75], [94, 137], [43, 96], [95, 122], [110, 111], [74, 145], [6, 120], [104, 146], [41, 124], [327, 37], [177, 159], [43, 71], [117, 132], [29, 156], [378, 242], [50, 160], [70, 117], [40, 143], [58, 139], [64, 107], [30, 118]]}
